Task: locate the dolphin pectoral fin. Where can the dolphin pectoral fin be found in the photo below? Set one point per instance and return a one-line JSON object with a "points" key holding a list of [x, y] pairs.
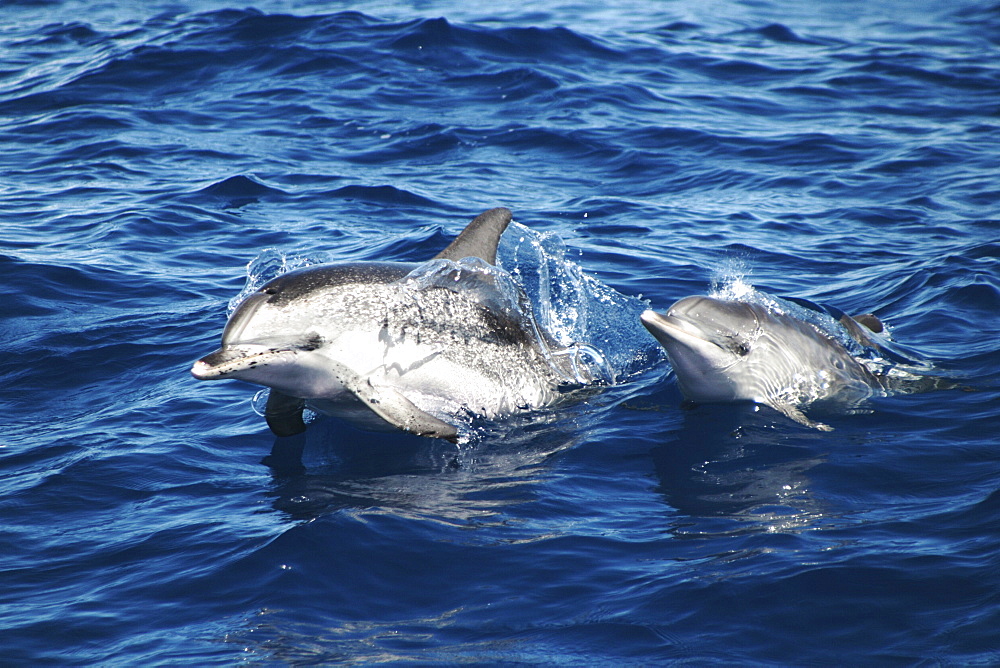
{"points": [[390, 405], [479, 238], [400, 412], [284, 414], [794, 413]]}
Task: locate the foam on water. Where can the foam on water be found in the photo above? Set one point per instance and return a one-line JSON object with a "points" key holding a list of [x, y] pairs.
{"points": [[574, 307]]}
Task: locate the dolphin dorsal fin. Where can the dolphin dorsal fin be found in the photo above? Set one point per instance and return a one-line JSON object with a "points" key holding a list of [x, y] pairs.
{"points": [[480, 237], [859, 327], [871, 321]]}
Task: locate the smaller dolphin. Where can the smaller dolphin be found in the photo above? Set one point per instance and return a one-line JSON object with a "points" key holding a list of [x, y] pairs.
{"points": [[724, 351]]}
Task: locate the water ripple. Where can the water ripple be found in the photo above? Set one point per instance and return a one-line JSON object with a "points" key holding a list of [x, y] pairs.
{"points": [[151, 154]]}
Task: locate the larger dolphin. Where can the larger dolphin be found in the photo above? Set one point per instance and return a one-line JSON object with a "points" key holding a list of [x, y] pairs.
{"points": [[365, 341], [730, 350]]}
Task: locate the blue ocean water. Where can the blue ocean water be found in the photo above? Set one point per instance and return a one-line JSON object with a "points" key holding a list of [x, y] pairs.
{"points": [[843, 152]]}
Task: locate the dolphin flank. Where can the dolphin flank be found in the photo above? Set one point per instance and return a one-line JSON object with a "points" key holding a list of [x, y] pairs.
{"points": [[368, 342]]}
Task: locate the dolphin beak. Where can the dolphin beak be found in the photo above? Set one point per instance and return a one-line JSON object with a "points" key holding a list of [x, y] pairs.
{"points": [[231, 361], [675, 334], [663, 327], [651, 319]]}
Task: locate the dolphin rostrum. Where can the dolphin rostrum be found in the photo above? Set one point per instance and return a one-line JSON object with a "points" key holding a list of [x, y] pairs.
{"points": [[420, 347], [725, 351]]}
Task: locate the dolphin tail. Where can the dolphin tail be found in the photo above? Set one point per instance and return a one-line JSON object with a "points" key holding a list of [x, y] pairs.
{"points": [[479, 238]]}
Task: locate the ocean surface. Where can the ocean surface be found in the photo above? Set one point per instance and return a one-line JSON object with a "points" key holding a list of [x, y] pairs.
{"points": [[847, 153]]}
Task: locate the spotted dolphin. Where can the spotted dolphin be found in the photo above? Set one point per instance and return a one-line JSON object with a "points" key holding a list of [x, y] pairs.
{"points": [[380, 343], [729, 350]]}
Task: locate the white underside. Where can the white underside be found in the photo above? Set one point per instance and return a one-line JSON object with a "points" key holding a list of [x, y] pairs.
{"points": [[425, 375]]}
